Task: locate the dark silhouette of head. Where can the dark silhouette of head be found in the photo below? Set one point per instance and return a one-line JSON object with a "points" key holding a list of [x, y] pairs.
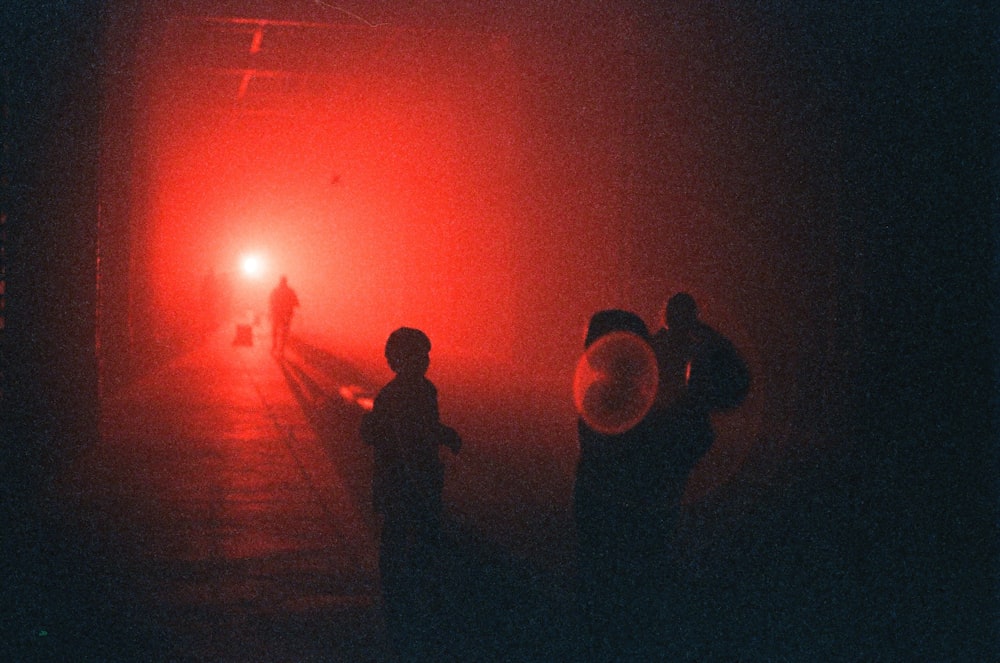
{"points": [[605, 322], [681, 313], [283, 280], [408, 351]]}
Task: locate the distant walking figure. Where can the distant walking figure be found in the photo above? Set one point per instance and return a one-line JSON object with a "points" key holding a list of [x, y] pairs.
{"points": [[405, 430], [210, 303], [282, 305]]}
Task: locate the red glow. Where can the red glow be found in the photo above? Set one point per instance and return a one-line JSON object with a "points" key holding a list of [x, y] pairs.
{"points": [[253, 266], [360, 396], [488, 190], [382, 187]]}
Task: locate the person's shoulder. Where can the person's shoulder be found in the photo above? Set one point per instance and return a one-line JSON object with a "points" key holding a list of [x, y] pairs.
{"points": [[395, 384], [400, 385], [662, 340], [388, 389]]}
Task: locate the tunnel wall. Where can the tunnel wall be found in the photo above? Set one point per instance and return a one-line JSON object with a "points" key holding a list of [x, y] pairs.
{"points": [[795, 168], [51, 152], [798, 169], [830, 194]]}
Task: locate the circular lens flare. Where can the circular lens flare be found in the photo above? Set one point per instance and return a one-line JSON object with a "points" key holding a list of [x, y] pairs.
{"points": [[615, 383]]}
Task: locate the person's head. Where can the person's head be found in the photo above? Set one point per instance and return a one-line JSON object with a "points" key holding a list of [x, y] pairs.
{"points": [[283, 280], [408, 351], [604, 322], [681, 313]]}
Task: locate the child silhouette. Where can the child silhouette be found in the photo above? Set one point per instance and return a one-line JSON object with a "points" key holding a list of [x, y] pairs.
{"points": [[405, 431]]}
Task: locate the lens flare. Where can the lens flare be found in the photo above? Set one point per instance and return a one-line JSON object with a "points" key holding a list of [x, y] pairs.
{"points": [[615, 383]]}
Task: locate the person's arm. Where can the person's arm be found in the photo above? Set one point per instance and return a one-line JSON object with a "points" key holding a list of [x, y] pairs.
{"points": [[373, 424], [450, 438], [446, 435]]}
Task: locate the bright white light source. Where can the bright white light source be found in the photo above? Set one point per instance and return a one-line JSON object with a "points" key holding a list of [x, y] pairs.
{"points": [[253, 266]]}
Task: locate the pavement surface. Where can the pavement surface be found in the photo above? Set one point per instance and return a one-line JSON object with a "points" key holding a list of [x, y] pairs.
{"points": [[224, 516]]}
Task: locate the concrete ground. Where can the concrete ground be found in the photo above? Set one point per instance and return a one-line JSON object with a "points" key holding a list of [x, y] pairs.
{"points": [[224, 516]]}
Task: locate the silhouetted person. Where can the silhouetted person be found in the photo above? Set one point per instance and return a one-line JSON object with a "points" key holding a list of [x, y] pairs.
{"points": [[405, 430], [210, 297], [619, 509], [700, 372], [282, 303]]}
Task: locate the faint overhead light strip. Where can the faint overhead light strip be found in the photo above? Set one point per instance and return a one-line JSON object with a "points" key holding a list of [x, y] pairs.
{"points": [[244, 84], [234, 49], [260, 23], [255, 43], [257, 40]]}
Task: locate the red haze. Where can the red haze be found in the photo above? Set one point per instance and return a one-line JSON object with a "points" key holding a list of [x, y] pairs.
{"points": [[495, 185], [383, 190]]}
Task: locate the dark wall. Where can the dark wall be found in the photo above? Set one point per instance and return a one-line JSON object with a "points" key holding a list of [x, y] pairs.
{"points": [[52, 73], [902, 507], [120, 95], [920, 174]]}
